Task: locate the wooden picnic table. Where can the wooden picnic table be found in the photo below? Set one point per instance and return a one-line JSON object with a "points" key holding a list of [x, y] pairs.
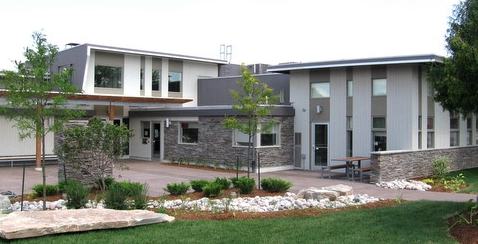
{"points": [[350, 163]]}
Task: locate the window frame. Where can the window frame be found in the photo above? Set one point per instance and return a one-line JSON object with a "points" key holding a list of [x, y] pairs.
{"points": [[379, 90], [119, 72], [170, 81], [315, 95], [379, 131], [187, 125]]}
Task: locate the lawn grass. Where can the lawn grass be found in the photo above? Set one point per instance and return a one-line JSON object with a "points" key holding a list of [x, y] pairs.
{"points": [[409, 222]]}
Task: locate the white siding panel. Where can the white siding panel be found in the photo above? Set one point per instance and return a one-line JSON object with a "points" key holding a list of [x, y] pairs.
{"points": [[11, 145], [148, 76], [299, 96], [191, 72], [402, 109], [362, 113], [131, 79], [442, 127], [338, 116]]}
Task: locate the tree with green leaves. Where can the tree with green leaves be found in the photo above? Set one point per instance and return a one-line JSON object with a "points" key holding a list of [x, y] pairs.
{"points": [[455, 81], [254, 101], [92, 148], [36, 95]]}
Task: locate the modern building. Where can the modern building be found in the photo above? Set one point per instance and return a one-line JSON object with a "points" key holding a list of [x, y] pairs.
{"points": [[175, 105], [355, 107]]}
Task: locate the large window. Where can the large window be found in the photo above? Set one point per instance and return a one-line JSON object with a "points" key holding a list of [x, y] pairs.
{"points": [[430, 132], [379, 87], [108, 76], [175, 80], [469, 133], [379, 134], [189, 132], [320, 90]]}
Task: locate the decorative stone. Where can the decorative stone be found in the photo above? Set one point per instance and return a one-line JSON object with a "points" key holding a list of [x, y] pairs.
{"points": [[343, 190], [5, 202], [39, 223], [318, 194]]}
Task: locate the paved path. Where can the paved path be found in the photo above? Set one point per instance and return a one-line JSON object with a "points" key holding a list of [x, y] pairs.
{"points": [[157, 175]]}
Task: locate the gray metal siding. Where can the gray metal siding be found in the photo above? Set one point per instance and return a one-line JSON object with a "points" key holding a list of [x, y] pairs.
{"points": [[338, 116], [362, 120], [216, 91], [402, 116]]}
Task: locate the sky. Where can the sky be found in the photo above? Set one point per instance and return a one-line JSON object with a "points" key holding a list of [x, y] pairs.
{"points": [[259, 31]]}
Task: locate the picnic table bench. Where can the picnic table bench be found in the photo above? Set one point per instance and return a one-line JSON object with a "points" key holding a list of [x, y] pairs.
{"points": [[29, 158], [360, 172], [331, 167]]}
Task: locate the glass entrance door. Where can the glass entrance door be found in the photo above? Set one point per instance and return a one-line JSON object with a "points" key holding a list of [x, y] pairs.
{"points": [[320, 145], [156, 140]]}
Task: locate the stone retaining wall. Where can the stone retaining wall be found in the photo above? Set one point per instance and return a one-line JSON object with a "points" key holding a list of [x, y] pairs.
{"points": [[393, 165]]}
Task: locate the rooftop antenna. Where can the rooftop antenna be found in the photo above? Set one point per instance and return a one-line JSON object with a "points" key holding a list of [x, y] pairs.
{"points": [[225, 52]]}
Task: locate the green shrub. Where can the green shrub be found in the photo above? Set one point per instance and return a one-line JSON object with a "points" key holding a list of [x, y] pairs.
{"points": [[224, 182], [62, 184], [76, 194], [177, 189], [115, 197], [441, 166], [108, 182], [138, 192], [197, 185], [51, 190], [245, 185], [212, 189], [275, 185]]}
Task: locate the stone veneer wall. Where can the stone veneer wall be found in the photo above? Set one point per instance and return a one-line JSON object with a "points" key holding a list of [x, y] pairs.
{"points": [[215, 144], [72, 170], [393, 165]]}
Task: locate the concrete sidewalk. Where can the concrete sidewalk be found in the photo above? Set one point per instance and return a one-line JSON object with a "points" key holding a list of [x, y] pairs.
{"points": [[157, 175]]}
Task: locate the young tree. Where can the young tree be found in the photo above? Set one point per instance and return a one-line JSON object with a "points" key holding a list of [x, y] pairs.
{"points": [[92, 148], [36, 95], [254, 101], [456, 80]]}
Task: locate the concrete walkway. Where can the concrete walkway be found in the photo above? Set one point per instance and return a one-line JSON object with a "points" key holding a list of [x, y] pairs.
{"points": [[157, 175]]}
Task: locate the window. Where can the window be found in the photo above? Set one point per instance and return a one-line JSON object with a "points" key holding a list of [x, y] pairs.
{"points": [[240, 139], [266, 138], [320, 90], [108, 76], [454, 132], [175, 80], [350, 88], [349, 136], [379, 134], [430, 132], [379, 87], [156, 80], [270, 137], [469, 138], [141, 79], [189, 132]]}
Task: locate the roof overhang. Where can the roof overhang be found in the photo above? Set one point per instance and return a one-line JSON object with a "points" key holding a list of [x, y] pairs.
{"points": [[415, 59], [117, 100]]}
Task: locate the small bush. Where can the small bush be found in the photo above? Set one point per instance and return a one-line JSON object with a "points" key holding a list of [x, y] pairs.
{"points": [[138, 192], [245, 185], [197, 185], [115, 197], [224, 182], [62, 184], [441, 166], [108, 182], [76, 194], [275, 185], [177, 189], [51, 190], [212, 189]]}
